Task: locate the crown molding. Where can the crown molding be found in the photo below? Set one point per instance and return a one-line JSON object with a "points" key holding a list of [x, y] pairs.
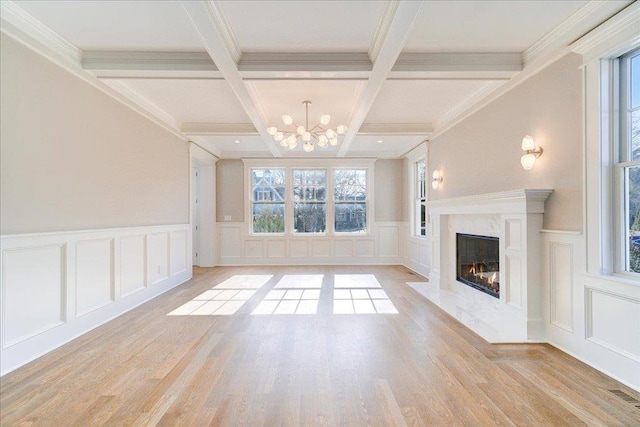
{"points": [[384, 23], [422, 129], [570, 29], [16, 23], [244, 129], [613, 37], [224, 29], [459, 62]]}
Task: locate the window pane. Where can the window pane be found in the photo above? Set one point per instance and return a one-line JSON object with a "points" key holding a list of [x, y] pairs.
{"points": [[421, 169], [309, 217], [633, 215], [351, 217], [268, 217], [350, 185], [268, 185], [310, 185], [423, 220]]}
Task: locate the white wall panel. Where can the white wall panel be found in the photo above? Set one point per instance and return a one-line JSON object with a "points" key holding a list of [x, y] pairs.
{"points": [[230, 242], [343, 248], [33, 299], [133, 264], [513, 231], [276, 249], [159, 257], [513, 273], [95, 285], [298, 248], [613, 321], [48, 278], [561, 285], [254, 248], [365, 248], [179, 251], [320, 248], [388, 238]]}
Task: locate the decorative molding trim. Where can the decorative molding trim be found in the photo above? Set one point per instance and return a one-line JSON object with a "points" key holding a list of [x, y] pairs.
{"points": [[514, 201], [565, 32], [324, 62], [613, 37], [218, 129], [384, 23], [224, 29], [421, 129], [141, 100], [459, 62], [390, 48], [553, 284], [589, 291], [467, 107]]}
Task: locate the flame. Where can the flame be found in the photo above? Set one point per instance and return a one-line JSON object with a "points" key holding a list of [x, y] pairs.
{"points": [[473, 269], [492, 279]]}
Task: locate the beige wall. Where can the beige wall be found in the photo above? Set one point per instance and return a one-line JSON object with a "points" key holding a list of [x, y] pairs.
{"points": [[230, 191], [482, 153], [389, 191], [73, 158]]}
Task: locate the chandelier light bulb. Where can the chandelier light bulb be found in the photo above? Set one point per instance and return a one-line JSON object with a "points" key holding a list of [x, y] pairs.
{"points": [[292, 142], [287, 120], [306, 136], [301, 130], [342, 130], [307, 147], [331, 133], [323, 141], [279, 136], [272, 130], [333, 141], [325, 119], [284, 143]]}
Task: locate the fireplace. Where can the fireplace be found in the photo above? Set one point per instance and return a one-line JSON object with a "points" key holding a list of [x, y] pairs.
{"points": [[478, 262]]}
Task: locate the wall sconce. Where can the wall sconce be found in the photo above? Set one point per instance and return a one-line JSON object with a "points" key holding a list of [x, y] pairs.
{"points": [[437, 179], [531, 153]]}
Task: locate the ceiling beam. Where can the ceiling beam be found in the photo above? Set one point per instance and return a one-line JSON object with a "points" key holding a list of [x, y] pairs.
{"points": [[205, 16], [396, 129], [235, 129], [132, 64], [390, 48]]}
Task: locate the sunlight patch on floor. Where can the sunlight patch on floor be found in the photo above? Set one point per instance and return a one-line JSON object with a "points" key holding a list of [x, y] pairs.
{"points": [[225, 298], [289, 301], [300, 281], [352, 281], [362, 301]]}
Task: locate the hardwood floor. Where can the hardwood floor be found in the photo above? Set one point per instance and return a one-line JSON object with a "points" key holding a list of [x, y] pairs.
{"points": [[417, 367]]}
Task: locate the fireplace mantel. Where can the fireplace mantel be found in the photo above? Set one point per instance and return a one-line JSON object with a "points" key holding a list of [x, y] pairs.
{"points": [[515, 218]]}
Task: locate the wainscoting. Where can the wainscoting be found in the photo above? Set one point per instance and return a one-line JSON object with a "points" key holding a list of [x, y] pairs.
{"points": [[594, 318], [57, 286], [417, 253], [383, 246]]}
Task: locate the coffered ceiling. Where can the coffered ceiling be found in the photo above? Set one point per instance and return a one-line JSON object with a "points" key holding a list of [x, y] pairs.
{"points": [[219, 73]]}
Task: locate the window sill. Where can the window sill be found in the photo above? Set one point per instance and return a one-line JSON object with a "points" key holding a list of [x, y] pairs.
{"points": [[625, 279]]}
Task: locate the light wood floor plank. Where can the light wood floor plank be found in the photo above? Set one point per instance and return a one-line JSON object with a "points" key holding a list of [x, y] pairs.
{"points": [[417, 367]]}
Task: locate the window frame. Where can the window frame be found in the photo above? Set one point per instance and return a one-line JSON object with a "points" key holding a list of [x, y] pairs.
{"points": [[367, 201], [294, 232], [419, 199], [252, 202], [289, 165]]}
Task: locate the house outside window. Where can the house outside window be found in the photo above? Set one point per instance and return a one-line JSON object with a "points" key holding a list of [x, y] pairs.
{"points": [[350, 200], [421, 198], [628, 166], [309, 200], [268, 200]]}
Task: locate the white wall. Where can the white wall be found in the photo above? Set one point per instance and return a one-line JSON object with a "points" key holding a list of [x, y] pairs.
{"points": [[72, 158]]}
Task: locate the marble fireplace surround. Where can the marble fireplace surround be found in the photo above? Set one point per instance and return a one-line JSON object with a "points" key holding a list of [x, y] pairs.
{"points": [[515, 217]]}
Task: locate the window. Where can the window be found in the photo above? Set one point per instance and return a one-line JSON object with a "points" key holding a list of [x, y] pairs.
{"points": [[309, 200], [268, 200], [421, 197], [628, 167], [350, 200]]}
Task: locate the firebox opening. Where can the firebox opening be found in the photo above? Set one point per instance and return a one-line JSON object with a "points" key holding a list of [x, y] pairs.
{"points": [[478, 262]]}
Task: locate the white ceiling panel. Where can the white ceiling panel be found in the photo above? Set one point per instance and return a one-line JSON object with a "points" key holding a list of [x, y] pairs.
{"points": [[336, 98], [486, 26], [420, 101], [118, 25], [223, 145], [390, 146], [192, 100], [303, 26]]}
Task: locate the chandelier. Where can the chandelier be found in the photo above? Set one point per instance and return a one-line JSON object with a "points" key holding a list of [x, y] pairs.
{"points": [[319, 134]]}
